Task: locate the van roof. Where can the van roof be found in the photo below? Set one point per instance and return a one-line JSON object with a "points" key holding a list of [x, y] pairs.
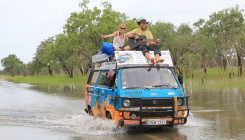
{"points": [[128, 59]]}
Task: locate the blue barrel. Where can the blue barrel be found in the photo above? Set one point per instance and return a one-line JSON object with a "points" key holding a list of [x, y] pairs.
{"points": [[107, 48]]}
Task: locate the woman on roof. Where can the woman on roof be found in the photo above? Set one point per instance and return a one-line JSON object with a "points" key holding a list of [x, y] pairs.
{"points": [[119, 37]]}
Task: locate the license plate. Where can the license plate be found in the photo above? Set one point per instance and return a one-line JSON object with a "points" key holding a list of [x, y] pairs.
{"points": [[155, 122]]}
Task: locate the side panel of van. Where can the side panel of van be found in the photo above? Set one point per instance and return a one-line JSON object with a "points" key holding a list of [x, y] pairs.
{"points": [[99, 97]]}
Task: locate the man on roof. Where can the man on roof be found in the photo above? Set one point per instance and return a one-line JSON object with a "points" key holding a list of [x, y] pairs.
{"points": [[142, 34]]}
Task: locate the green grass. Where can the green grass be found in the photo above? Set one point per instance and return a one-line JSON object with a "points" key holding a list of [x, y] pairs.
{"points": [[58, 80]]}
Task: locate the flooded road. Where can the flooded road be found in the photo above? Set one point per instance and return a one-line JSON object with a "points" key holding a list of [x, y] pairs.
{"points": [[30, 114]]}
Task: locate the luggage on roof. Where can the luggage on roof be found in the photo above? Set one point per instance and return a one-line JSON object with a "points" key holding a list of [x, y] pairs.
{"points": [[126, 58]]}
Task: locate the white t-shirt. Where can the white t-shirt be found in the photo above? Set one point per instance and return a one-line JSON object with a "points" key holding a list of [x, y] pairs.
{"points": [[118, 42]]}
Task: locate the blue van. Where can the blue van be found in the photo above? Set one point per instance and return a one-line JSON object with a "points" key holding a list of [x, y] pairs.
{"points": [[132, 92]]}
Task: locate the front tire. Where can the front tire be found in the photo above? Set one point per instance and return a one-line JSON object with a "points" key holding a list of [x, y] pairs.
{"points": [[90, 113], [108, 115]]}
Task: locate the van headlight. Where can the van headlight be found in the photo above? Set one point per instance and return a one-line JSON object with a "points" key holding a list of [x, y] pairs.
{"points": [[126, 103], [179, 102]]}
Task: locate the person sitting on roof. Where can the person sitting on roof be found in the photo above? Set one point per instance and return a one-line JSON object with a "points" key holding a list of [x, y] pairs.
{"points": [[150, 45], [119, 37]]}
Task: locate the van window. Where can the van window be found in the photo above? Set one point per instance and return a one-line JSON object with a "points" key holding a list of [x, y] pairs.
{"points": [[143, 77], [93, 77], [102, 81]]}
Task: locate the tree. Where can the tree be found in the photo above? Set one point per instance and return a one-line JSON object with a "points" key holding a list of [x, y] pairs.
{"points": [[226, 27], [164, 31], [181, 44], [85, 27], [203, 44], [45, 55], [65, 54], [11, 64]]}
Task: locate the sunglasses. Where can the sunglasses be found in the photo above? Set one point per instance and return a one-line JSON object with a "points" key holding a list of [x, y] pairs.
{"points": [[123, 28], [144, 23]]}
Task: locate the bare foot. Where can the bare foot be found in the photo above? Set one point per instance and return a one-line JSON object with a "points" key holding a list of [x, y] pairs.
{"points": [[159, 61], [152, 61]]}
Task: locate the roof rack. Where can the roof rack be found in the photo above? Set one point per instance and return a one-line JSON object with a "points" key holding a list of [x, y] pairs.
{"points": [[128, 59]]}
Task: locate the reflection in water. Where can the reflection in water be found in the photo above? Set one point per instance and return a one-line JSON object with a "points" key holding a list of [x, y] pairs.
{"points": [[140, 134], [63, 90], [215, 114], [225, 109]]}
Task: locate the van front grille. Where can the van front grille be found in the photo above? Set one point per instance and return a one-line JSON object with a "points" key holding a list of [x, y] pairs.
{"points": [[152, 102]]}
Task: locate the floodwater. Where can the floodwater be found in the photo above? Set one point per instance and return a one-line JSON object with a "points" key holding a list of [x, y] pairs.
{"points": [[28, 114]]}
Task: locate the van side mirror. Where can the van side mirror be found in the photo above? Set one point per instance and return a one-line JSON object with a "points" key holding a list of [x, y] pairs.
{"points": [[180, 79]]}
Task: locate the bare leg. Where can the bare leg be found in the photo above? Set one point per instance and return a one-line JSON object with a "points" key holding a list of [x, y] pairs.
{"points": [[157, 57], [148, 57]]}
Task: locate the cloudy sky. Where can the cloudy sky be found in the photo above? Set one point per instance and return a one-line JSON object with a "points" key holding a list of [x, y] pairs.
{"points": [[25, 23]]}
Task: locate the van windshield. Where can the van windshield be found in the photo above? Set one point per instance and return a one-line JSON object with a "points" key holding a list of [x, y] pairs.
{"points": [[134, 78]]}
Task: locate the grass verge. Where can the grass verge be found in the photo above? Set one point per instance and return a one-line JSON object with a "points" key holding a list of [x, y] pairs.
{"points": [[57, 80]]}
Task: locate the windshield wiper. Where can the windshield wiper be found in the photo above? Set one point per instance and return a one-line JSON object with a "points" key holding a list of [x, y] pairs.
{"points": [[145, 87], [165, 85], [131, 87]]}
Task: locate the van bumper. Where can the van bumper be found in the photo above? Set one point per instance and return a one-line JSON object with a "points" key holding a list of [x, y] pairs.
{"points": [[168, 115]]}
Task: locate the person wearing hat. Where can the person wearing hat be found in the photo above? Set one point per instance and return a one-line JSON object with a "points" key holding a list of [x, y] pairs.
{"points": [[119, 37], [150, 45]]}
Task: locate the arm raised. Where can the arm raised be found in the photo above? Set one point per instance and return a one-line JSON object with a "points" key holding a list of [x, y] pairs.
{"points": [[109, 35]]}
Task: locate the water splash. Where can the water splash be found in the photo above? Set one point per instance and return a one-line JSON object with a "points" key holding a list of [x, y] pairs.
{"points": [[190, 120], [84, 124], [76, 124], [194, 122]]}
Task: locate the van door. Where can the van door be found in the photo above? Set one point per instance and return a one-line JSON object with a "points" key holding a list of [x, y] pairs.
{"points": [[90, 89], [103, 91], [96, 96]]}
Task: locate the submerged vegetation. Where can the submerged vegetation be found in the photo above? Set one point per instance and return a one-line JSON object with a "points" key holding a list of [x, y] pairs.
{"points": [[215, 80]]}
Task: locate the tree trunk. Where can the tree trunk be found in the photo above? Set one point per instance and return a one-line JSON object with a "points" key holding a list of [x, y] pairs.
{"points": [[71, 73], [179, 70], [239, 64], [86, 70], [224, 62], [50, 70], [187, 71], [81, 69]]}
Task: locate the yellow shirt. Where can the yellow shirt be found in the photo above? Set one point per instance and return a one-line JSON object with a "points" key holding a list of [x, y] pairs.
{"points": [[139, 32]]}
